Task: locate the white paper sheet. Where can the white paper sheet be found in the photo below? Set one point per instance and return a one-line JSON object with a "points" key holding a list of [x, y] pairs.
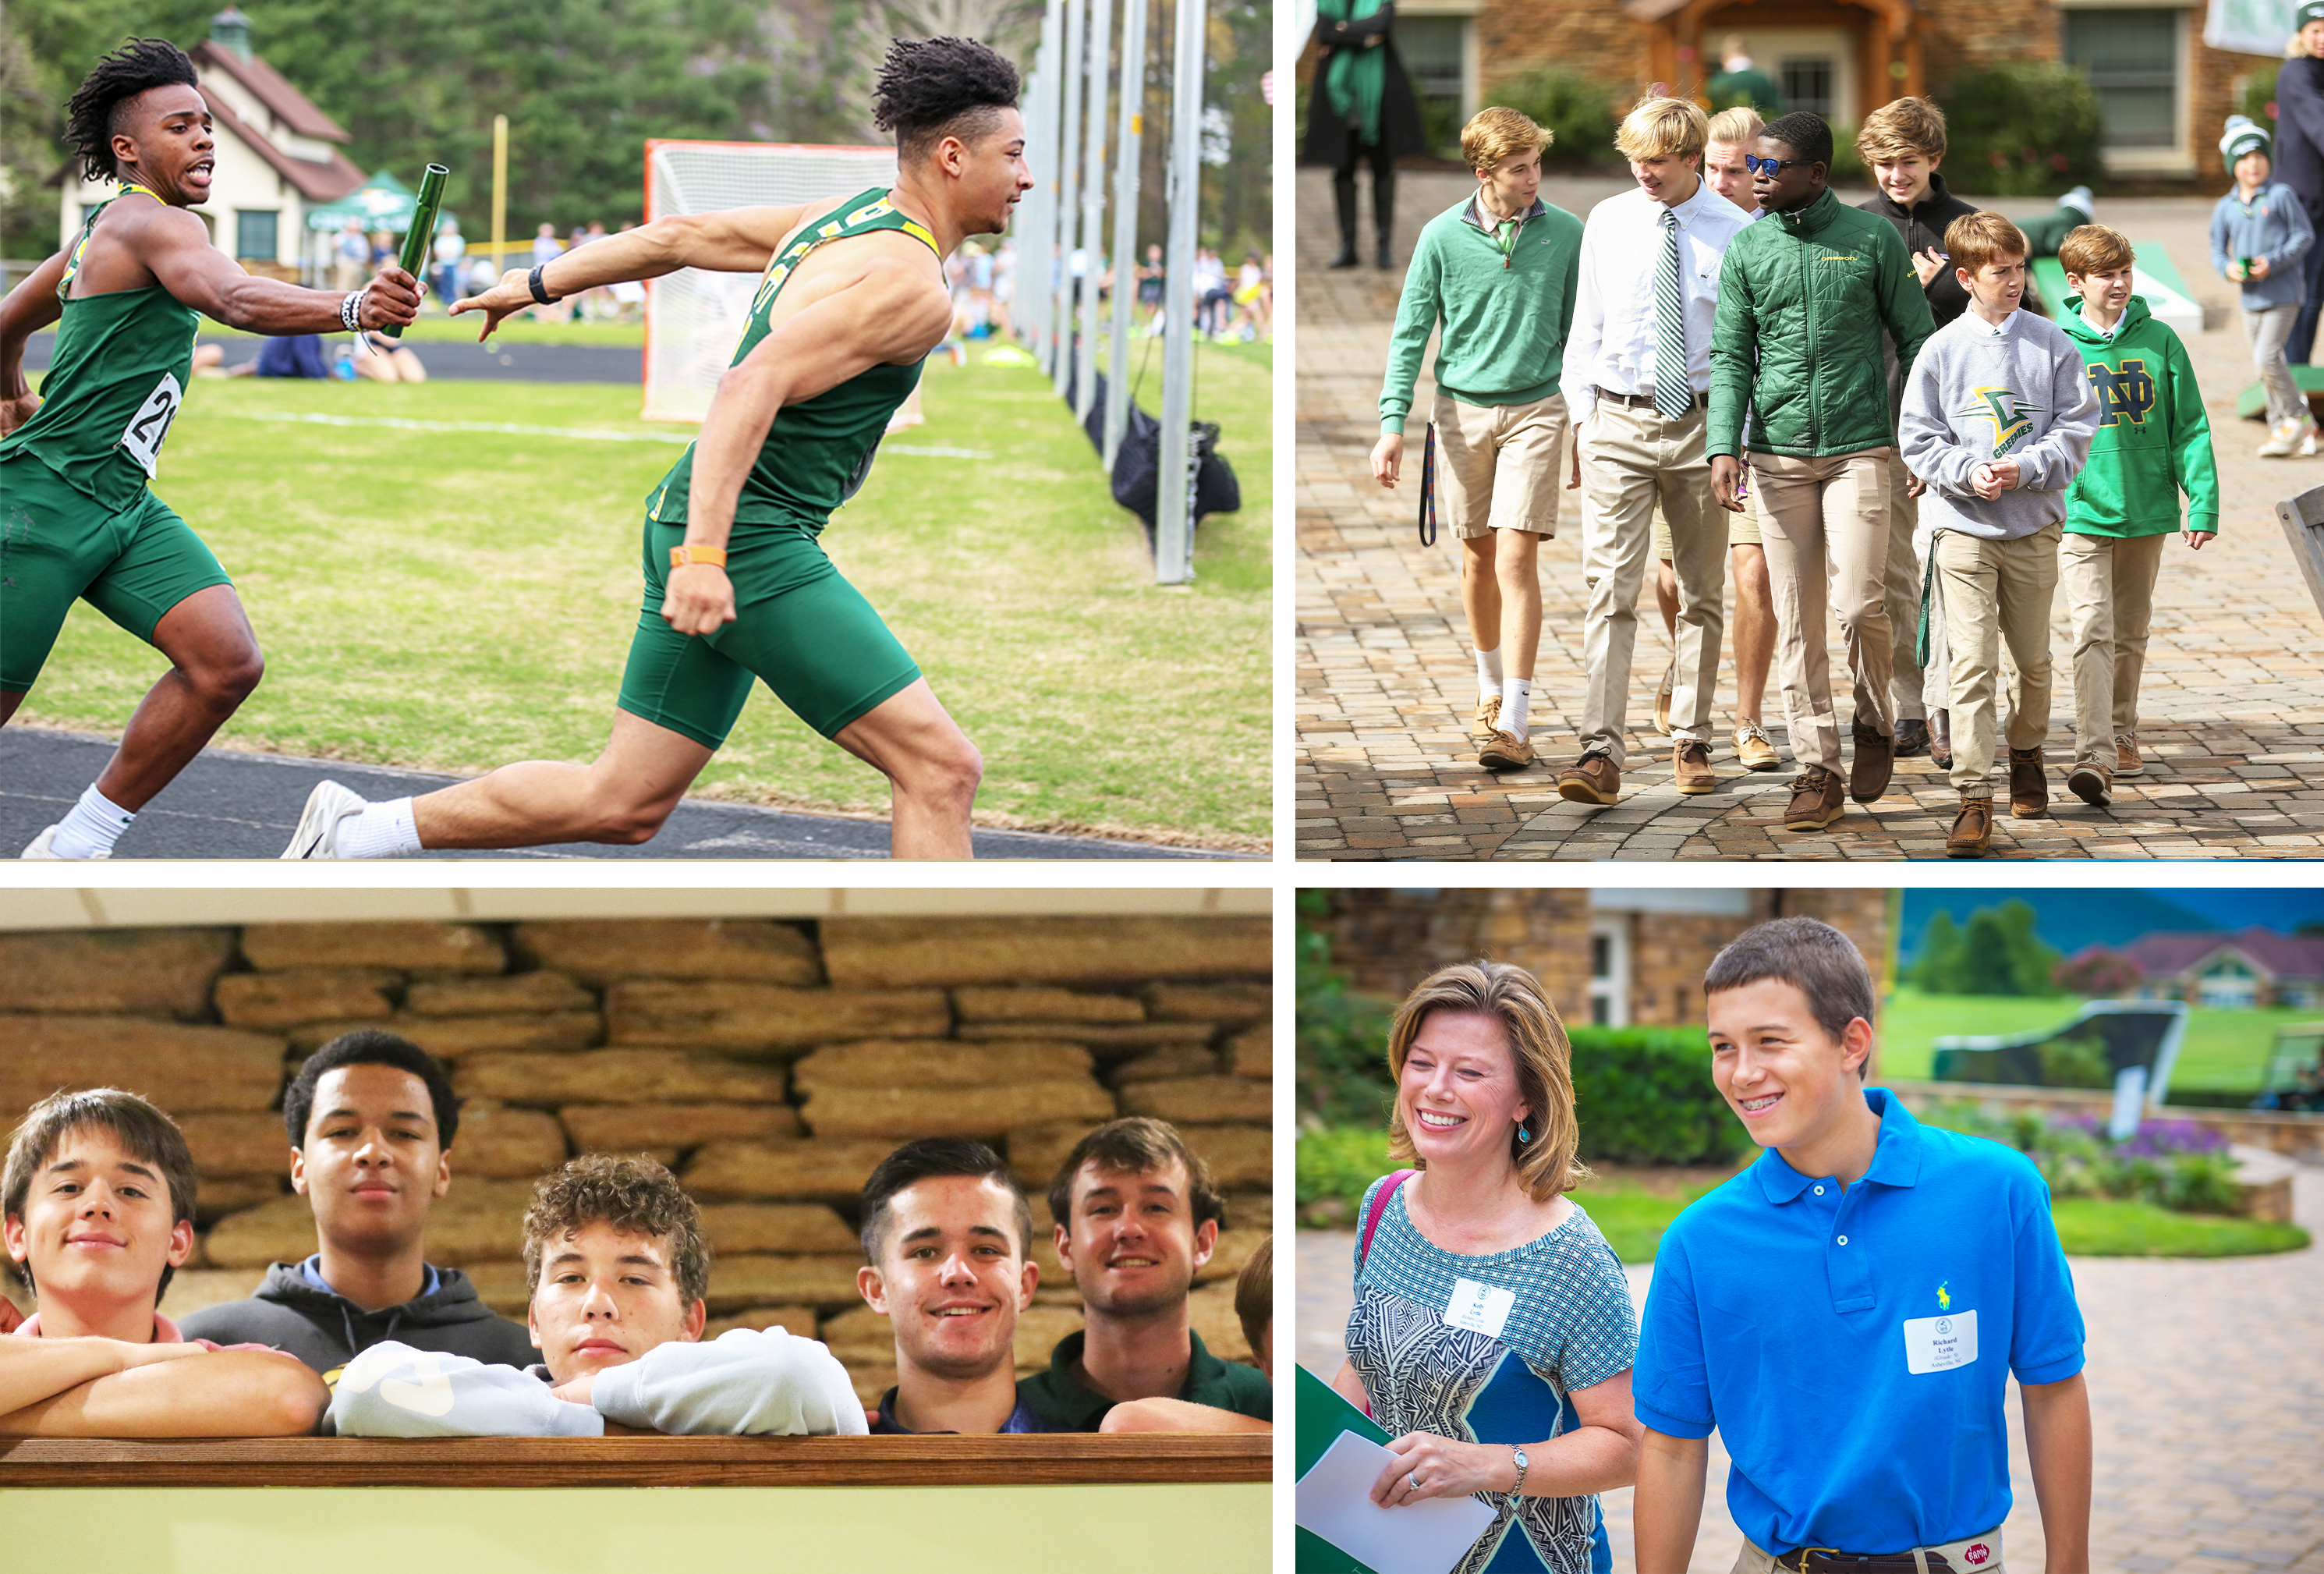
{"points": [[1429, 1537]]}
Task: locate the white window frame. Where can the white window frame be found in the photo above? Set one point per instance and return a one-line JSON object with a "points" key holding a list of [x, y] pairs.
{"points": [[2179, 158], [1613, 990]]}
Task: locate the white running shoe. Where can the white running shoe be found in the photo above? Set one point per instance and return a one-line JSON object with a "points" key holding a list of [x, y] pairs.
{"points": [[318, 823], [2281, 438], [42, 844], [2307, 448]]}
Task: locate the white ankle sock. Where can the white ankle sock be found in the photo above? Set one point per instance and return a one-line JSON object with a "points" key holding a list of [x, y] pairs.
{"points": [[1489, 674], [1514, 694], [383, 830], [91, 827]]}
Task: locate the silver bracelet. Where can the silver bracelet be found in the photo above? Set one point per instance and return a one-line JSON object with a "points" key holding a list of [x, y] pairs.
{"points": [[351, 308], [1523, 1463]]}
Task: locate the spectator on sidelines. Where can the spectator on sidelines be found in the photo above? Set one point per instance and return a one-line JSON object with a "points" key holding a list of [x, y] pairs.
{"points": [[2153, 442], [349, 263], [1752, 636], [1997, 421], [450, 248], [1638, 361], [1497, 272], [1739, 84], [2260, 239], [1798, 352], [2300, 159]]}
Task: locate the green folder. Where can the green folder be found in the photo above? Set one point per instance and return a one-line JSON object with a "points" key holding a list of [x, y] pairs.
{"points": [[1324, 1415]]}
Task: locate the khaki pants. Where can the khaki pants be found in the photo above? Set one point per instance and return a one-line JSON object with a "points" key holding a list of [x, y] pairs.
{"points": [[2110, 599], [1500, 467], [1904, 586], [1977, 1555], [1819, 518], [1630, 460], [1997, 592]]}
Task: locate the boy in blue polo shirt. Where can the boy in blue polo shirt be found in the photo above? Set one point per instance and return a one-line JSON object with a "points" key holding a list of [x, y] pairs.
{"points": [[1849, 1310]]}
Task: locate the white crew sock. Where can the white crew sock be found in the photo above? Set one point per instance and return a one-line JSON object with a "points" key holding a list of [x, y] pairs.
{"points": [[1488, 673], [91, 827], [1515, 693], [383, 830]]}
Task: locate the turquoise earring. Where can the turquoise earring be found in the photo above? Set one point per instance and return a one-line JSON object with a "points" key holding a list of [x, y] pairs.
{"points": [[1524, 1136]]}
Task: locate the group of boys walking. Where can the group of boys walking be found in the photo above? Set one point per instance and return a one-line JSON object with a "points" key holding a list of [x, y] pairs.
{"points": [[1928, 455]]}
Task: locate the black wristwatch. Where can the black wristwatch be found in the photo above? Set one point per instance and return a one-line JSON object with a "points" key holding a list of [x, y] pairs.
{"points": [[540, 290]]}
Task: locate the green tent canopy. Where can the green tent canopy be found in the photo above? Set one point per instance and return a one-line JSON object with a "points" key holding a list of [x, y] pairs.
{"points": [[380, 202]]}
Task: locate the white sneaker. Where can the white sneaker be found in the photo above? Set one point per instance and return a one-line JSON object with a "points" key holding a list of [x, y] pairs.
{"points": [[318, 823], [2307, 448], [42, 846], [2281, 438]]}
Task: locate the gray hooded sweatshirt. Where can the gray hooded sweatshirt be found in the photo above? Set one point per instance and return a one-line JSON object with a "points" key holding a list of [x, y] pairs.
{"points": [[1976, 394]]}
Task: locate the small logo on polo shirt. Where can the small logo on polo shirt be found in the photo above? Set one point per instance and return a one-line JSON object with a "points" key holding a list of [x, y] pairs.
{"points": [[1944, 1298], [1977, 1552]]}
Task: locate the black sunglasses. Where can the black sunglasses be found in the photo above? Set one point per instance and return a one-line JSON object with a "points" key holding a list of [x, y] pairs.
{"points": [[1754, 165]]}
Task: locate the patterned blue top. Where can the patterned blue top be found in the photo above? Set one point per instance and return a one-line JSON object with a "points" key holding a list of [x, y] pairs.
{"points": [[1570, 1325]]}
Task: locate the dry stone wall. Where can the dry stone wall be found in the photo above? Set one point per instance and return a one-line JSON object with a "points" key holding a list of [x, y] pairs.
{"points": [[770, 1064]]}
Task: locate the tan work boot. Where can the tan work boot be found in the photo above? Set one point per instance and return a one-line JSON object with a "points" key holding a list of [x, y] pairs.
{"points": [[2126, 760], [1972, 830], [1690, 763], [1753, 749], [1505, 751], [2029, 784], [2091, 783], [1594, 778], [1488, 720], [1818, 798]]}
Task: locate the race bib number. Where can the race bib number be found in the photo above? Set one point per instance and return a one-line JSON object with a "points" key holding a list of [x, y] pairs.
{"points": [[1483, 1308], [1940, 1344], [150, 426]]}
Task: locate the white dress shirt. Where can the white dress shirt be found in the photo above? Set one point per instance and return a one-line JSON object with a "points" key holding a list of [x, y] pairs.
{"points": [[1612, 342]]}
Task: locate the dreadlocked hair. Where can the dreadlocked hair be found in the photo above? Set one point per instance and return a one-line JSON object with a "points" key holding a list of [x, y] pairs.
{"points": [[931, 88], [95, 110]]}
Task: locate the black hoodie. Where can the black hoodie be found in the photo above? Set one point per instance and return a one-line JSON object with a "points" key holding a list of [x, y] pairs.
{"points": [[327, 1330]]}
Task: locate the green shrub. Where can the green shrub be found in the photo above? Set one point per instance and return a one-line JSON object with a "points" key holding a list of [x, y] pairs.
{"points": [[1577, 110], [2259, 96], [1645, 1096], [2022, 129], [2170, 1164], [1341, 1039], [1334, 1165]]}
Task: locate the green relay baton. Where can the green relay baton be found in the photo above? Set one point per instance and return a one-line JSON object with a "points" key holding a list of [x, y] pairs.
{"points": [[422, 233]]}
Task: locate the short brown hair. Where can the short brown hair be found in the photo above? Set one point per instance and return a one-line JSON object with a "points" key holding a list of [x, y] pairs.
{"points": [[1740, 125], [635, 1196], [1907, 125], [1255, 1295], [138, 1126], [1547, 1163], [2093, 248], [1663, 128], [1806, 953], [1496, 134], [1137, 1144], [1975, 239]]}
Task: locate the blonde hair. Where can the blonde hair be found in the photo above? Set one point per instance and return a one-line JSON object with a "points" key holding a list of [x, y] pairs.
{"points": [[1893, 131], [1546, 1164], [1663, 128], [2093, 248], [1975, 239], [1498, 134], [1739, 126]]}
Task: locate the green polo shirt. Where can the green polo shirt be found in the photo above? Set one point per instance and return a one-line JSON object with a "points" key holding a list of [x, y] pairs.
{"points": [[1067, 1406]]}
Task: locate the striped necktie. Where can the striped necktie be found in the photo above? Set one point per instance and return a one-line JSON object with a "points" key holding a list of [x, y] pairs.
{"points": [[1674, 392]]}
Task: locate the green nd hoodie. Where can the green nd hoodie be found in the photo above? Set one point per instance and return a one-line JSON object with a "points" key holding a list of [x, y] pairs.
{"points": [[2154, 440]]}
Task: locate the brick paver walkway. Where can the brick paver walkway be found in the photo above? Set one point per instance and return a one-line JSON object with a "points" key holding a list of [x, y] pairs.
{"points": [[2233, 702], [2207, 1404]]}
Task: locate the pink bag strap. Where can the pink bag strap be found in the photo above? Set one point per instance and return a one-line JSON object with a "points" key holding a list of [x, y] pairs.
{"points": [[1379, 1207]]}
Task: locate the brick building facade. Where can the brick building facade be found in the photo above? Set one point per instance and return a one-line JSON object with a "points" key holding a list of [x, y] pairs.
{"points": [[770, 1064]]}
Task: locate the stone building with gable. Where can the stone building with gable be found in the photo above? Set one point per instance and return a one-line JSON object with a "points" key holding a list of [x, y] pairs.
{"points": [[278, 157]]}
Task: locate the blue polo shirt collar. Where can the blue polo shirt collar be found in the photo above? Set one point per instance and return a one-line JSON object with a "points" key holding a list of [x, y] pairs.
{"points": [[1896, 1161]]}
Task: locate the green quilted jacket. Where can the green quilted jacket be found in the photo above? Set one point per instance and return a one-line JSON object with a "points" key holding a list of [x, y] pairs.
{"points": [[1802, 301]]}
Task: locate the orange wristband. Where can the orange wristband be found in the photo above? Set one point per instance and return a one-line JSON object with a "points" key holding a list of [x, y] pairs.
{"points": [[681, 556]]}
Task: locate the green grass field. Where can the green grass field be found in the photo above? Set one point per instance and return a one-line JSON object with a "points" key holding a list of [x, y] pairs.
{"points": [[2223, 1048], [456, 600]]}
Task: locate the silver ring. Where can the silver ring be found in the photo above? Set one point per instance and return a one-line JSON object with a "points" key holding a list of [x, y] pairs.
{"points": [[1413, 1481]]}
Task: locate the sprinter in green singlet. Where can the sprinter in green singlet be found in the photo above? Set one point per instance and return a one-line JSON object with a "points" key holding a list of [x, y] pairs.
{"points": [[77, 516], [851, 300]]}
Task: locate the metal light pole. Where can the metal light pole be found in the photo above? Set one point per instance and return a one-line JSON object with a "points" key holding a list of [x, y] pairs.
{"points": [[1093, 216], [1173, 519], [1126, 153], [1069, 126], [1036, 262]]}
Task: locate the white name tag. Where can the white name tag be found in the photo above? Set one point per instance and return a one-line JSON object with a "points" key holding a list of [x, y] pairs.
{"points": [[1481, 1308], [1940, 1344], [147, 428]]}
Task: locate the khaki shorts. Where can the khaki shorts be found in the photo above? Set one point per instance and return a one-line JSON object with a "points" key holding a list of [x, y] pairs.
{"points": [[1742, 529], [1500, 467]]}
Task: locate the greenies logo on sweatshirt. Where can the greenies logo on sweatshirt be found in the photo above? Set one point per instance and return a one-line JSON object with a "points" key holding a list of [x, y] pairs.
{"points": [[2125, 395], [2012, 421]]}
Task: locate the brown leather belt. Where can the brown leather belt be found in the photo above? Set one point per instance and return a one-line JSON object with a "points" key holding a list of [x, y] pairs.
{"points": [[1824, 1560], [1643, 401]]}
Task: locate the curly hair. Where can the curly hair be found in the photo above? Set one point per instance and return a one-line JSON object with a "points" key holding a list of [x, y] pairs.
{"points": [[931, 88], [635, 1196], [93, 115]]}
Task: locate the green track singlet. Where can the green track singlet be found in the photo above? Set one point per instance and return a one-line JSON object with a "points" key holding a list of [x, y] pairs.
{"points": [[121, 363], [818, 451]]}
